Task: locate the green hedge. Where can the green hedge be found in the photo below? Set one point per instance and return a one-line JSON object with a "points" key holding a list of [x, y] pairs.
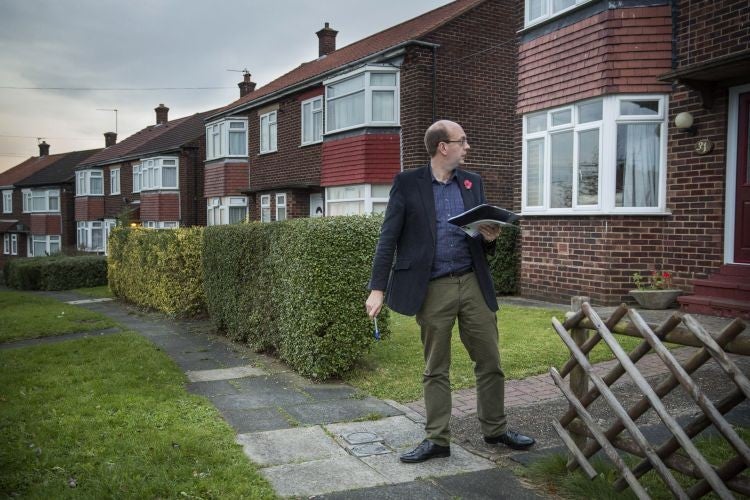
{"points": [[159, 269], [56, 272], [296, 287], [505, 263]]}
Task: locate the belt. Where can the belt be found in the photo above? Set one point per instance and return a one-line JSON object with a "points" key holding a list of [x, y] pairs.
{"points": [[454, 274]]}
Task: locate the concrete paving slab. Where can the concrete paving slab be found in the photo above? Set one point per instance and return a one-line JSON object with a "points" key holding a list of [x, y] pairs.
{"points": [[396, 432], [89, 301], [493, 484], [212, 389], [195, 361], [321, 476], [459, 462], [261, 392], [327, 392], [224, 374], [256, 420], [289, 446], [344, 410], [422, 490]]}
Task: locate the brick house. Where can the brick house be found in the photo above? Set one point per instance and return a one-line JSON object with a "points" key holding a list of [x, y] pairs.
{"points": [[327, 137], [37, 210], [154, 177], [609, 185]]}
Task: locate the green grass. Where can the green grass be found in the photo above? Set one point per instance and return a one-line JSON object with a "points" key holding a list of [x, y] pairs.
{"points": [[96, 292], [108, 417], [551, 474], [528, 346], [28, 316]]}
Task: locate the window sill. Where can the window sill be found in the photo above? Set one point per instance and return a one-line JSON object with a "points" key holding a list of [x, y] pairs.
{"points": [[590, 213], [305, 144], [362, 125], [262, 153], [227, 158]]}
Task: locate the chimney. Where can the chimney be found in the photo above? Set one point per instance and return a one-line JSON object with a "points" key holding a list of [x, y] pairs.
{"points": [[43, 149], [246, 85], [326, 40], [110, 139], [161, 114]]}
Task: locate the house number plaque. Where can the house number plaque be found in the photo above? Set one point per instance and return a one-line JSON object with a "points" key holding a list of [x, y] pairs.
{"points": [[704, 146]]}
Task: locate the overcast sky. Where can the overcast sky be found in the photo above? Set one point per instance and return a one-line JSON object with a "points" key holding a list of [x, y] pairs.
{"points": [[156, 44]]}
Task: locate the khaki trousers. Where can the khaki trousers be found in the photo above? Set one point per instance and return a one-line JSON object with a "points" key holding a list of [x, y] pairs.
{"points": [[449, 298]]}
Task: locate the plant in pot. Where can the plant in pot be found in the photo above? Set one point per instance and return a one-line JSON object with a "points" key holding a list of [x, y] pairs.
{"points": [[654, 291]]}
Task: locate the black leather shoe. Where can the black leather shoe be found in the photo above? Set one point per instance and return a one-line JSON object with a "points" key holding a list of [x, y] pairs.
{"points": [[512, 439], [425, 451]]}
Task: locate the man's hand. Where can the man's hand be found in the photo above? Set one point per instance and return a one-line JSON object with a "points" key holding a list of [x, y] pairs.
{"points": [[374, 303], [489, 232]]}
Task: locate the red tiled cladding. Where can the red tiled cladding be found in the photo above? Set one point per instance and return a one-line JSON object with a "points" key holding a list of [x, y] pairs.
{"points": [[89, 207], [222, 179], [43, 224], [368, 158], [616, 51], [160, 206]]}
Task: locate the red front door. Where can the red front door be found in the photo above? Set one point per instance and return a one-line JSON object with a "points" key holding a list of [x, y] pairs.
{"points": [[742, 208]]}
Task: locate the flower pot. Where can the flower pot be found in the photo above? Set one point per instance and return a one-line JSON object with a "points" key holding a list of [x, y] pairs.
{"points": [[655, 299]]}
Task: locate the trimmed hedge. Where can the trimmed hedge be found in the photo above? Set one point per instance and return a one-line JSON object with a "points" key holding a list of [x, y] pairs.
{"points": [[159, 269], [505, 263], [296, 287], [56, 272]]}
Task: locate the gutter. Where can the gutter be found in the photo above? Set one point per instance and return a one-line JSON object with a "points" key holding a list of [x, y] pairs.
{"points": [[390, 52]]}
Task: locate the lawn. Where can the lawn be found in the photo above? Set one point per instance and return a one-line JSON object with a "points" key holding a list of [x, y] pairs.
{"points": [[528, 346], [108, 417], [28, 316]]}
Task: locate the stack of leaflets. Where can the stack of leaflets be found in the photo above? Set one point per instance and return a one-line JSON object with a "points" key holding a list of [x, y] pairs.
{"points": [[470, 220]]}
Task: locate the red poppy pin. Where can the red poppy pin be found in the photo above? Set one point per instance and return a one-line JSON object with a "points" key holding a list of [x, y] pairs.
{"points": [[467, 184]]}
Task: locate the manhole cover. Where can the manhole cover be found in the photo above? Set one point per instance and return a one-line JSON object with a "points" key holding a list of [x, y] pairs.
{"points": [[365, 450], [362, 437]]}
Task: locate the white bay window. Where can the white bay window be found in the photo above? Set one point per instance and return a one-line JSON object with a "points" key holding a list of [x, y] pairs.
{"points": [[366, 97], [357, 199], [159, 173], [41, 200], [600, 156], [226, 210], [40, 246], [226, 139], [89, 183], [90, 236], [537, 11]]}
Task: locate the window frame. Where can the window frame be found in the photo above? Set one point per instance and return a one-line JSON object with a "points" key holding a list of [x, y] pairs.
{"points": [[607, 126], [368, 199], [114, 181], [7, 201], [313, 113], [368, 90], [218, 209], [547, 11], [279, 204], [28, 196], [47, 239], [272, 118], [265, 204], [217, 134], [86, 230], [6, 244], [152, 173], [84, 181]]}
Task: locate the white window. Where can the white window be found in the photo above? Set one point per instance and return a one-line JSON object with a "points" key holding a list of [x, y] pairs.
{"points": [[226, 210], [265, 208], [41, 200], [7, 202], [14, 244], [159, 173], [539, 10], [114, 181], [43, 245], [89, 183], [226, 138], [268, 132], [312, 120], [90, 236], [596, 157], [6, 244], [281, 206], [366, 97], [137, 178], [153, 224], [357, 199]]}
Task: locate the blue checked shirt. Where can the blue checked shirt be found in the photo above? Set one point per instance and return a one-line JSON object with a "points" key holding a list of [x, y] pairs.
{"points": [[451, 246]]}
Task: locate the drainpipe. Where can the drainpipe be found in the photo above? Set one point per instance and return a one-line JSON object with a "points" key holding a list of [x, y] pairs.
{"points": [[434, 81]]}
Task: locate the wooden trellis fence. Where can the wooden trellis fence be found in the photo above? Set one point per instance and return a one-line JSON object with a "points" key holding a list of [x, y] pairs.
{"points": [[577, 427]]}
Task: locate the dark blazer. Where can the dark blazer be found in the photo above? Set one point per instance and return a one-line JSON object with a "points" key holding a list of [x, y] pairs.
{"points": [[406, 247]]}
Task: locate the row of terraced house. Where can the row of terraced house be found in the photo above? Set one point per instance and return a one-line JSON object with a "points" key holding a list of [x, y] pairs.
{"points": [[619, 130]]}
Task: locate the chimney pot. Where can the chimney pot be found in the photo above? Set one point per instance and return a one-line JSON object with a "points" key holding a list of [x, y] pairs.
{"points": [[246, 85], [110, 139], [326, 40], [43, 149], [162, 113]]}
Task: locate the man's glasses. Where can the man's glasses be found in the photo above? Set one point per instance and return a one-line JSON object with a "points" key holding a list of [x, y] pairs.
{"points": [[463, 141]]}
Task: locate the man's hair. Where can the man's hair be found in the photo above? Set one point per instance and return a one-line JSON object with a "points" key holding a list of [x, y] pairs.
{"points": [[436, 133]]}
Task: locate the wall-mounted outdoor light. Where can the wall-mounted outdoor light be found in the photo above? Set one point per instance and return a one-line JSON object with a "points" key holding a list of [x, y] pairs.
{"points": [[684, 123]]}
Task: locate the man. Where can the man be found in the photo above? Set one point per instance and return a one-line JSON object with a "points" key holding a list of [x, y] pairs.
{"points": [[441, 274]]}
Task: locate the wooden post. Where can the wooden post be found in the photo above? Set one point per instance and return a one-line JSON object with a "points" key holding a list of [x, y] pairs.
{"points": [[579, 384]]}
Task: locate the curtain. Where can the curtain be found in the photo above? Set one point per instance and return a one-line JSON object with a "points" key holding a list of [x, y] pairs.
{"points": [[640, 158]]}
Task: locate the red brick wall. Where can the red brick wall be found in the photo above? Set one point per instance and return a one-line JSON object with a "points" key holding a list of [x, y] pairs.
{"points": [[225, 179], [297, 203], [476, 87], [193, 204], [43, 224], [67, 214], [615, 51], [89, 207], [159, 206], [366, 158], [712, 28]]}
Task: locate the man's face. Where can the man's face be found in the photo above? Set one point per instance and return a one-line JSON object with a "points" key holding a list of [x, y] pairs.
{"points": [[457, 145]]}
